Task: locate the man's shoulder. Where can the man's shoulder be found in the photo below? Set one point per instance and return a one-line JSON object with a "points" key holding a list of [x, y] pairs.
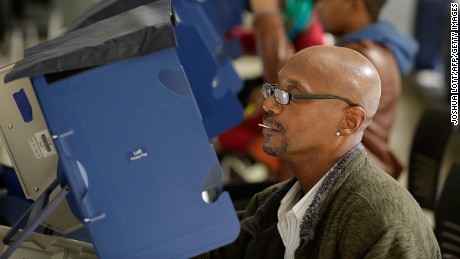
{"points": [[372, 182], [267, 198], [268, 192], [381, 209], [372, 190]]}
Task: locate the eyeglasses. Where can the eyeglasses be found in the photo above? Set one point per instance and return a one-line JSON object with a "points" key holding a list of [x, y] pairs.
{"points": [[283, 97]]}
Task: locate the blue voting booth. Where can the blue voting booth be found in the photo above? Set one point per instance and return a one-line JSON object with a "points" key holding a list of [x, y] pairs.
{"points": [[134, 154], [205, 53], [213, 80]]}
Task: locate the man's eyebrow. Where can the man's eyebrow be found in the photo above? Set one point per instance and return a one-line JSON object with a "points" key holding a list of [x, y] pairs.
{"points": [[294, 83]]}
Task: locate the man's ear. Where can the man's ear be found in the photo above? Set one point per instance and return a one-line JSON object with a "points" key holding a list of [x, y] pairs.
{"points": [[355, 118]]}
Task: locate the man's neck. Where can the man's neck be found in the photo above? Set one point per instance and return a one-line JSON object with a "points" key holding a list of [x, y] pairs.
{"points": [[309, 172], [310, 169]]}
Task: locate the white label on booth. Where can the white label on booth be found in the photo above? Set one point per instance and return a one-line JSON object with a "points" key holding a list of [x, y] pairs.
{"points": [[45, 143]]}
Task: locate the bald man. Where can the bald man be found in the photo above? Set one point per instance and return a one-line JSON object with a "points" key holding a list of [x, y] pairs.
{"points": [[338, 204]]}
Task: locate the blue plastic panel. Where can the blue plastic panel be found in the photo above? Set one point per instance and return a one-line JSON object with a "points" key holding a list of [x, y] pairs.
{"points": [[207, 61], [214, 85], [211, 22], [137, 157], [224, 14], [23, 104]]}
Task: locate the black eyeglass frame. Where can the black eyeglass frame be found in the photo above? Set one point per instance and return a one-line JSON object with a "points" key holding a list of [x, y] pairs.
{"points": [[273, 88]]}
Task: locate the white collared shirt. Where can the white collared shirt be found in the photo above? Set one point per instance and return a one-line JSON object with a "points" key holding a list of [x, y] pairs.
{"points": [[290, 214]]}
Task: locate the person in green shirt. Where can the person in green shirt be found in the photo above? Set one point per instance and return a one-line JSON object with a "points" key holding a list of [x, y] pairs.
{"points": [[338, 204]]}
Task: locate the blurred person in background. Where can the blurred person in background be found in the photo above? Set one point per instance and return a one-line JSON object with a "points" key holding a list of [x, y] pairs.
{"points": [[280, 28]]}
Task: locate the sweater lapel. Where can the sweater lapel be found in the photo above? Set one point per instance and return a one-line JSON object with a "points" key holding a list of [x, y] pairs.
{"points": [[333, 181]]}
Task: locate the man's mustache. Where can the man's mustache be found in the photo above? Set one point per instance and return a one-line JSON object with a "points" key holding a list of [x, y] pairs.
{"points": [[268, 119]]}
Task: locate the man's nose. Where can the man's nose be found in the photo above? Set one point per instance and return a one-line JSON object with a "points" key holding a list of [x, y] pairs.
{"points": [[271, 106]]}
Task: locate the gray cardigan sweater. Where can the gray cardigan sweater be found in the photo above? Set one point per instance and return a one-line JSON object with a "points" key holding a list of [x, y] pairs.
{"points": [[358, 212]]}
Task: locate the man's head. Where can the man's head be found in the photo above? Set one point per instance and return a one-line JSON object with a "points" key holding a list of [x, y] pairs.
{"points": [[309, 126], [341, 17]]}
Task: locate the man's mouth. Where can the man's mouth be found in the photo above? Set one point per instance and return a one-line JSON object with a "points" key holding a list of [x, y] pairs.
{"points": [[269, 123]]}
